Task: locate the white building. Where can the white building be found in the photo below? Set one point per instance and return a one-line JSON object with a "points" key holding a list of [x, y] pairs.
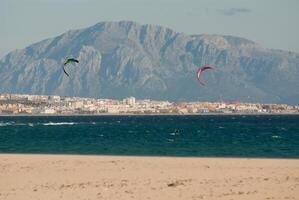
{"points": [[129, 101], [112, 109], [49, 111]]}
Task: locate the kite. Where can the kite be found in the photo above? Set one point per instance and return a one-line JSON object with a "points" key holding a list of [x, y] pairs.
{"points": [[202, 69], [68, 61]]}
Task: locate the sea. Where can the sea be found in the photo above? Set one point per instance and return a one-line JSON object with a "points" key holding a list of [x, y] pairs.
{"points": [[246, 136]]}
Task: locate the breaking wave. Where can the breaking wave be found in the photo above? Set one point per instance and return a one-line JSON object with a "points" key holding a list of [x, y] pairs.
{"points": [[5, 124], [11, 124], [59, 123]]}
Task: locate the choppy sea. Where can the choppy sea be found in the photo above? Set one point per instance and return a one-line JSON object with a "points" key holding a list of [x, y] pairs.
{"points": [[258, 136]]}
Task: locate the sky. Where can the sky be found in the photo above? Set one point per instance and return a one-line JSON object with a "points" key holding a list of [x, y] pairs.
{"points": [[271, 23]]}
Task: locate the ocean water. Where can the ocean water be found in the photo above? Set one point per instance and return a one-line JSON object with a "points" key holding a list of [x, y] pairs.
{"points": [[266, 136]]}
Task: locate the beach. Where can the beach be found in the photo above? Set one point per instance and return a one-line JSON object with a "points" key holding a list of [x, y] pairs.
{"points": [[28, 176]]}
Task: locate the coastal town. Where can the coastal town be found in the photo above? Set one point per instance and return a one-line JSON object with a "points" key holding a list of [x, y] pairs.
{"points": [[20, 104]]}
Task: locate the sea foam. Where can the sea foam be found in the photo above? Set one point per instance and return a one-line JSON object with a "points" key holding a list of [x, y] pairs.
{"points": [[59, 123]]}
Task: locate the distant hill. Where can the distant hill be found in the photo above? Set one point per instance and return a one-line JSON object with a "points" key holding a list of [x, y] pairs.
{"points": [[120, 59]]}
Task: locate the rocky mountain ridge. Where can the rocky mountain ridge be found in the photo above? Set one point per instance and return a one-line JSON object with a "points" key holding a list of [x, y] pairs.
{"points": [[120, 59]]}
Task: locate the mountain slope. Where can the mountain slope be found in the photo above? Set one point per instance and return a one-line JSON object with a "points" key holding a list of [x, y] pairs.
{"points": [[119, 59]]}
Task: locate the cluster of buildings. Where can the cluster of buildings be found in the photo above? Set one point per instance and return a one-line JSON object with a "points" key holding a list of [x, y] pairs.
{"points": [[56, 105]]}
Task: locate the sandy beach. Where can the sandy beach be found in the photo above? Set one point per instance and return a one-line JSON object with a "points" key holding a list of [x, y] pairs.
{"points": [[29, 177]]}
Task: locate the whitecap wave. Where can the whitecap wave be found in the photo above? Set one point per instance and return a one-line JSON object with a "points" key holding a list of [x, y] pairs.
{"points": [[5, 124], [11, 124], [59, 123]]}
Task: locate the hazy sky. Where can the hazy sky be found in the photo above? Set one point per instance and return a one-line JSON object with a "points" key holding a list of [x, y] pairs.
{"points": [[272, 23]]}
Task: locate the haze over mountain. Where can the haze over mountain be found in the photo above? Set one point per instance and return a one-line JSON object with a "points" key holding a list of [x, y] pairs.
{"points": [[120, 59]]}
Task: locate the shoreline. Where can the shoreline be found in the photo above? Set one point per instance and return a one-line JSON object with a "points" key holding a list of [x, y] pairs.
{"points": [[155, 114], [145, 156], [46, 176], [140, 156]]}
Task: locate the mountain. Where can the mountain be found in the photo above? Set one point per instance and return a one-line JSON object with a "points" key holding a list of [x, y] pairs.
{"points": [[120, 59]]}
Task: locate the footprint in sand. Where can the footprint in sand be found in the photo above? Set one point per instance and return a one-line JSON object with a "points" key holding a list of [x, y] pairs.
{"points": [[178, 183]]}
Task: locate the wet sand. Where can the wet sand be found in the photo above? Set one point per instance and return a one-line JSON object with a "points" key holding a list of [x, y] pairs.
{"points": [[30, 177]]}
